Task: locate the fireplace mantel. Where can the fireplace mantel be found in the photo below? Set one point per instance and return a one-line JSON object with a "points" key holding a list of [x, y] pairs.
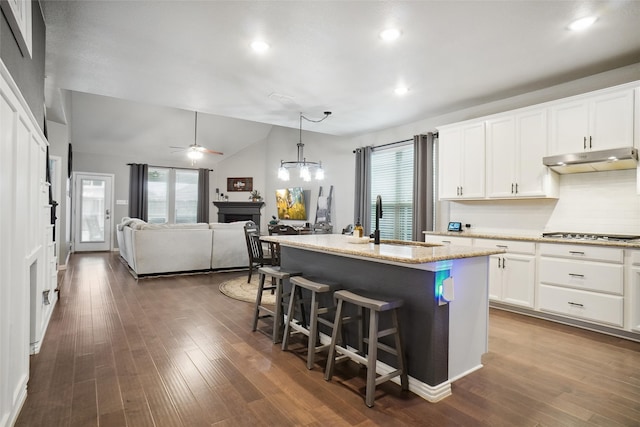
{"points": [[239, 211]]}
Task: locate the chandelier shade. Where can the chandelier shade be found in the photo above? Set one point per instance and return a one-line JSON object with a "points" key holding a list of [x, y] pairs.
{"points": [[304, 166]]}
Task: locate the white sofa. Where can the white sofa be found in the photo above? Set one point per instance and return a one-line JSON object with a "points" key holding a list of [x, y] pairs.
{"points": [[171, 248]]}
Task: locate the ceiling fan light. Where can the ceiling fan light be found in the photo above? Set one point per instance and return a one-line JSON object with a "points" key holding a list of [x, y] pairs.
{"points": [[320, 174], [283, 173], [194, 154], [582, 23]]}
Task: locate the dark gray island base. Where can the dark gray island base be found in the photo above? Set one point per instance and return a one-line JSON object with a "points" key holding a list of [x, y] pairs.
{"points": [[443, 341]]}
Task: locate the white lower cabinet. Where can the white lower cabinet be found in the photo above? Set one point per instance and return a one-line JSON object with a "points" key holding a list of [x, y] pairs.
{"points": [[585, 305], [635, 299], [448, 240], [581, 281], [512, 274]]}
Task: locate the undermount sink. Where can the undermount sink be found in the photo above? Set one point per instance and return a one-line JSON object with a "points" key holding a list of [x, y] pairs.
{"points": [[404, 243]]}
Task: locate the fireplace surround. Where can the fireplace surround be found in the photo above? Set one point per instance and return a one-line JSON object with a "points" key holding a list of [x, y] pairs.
{"points": [[239, 211]]}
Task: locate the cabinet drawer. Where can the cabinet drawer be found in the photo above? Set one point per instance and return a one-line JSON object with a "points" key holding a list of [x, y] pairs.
{"points": [[582, 275], [582, 304], [635, 257], [511, 246], [449, 240], [583, 252]]}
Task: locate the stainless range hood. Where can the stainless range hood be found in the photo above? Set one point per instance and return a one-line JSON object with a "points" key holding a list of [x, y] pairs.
{"points": [[591, 161]]}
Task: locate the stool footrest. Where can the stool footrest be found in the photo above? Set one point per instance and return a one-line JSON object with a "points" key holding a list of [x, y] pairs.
{"points": [[387, 377], [386, 348], [353, 355], [387, 332]]}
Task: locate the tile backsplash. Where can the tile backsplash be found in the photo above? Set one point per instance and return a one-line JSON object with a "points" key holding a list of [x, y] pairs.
{"points": [[595, 202]]}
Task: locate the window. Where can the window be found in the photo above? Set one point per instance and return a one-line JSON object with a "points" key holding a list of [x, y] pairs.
{"points": [[172, 195], [392, 179]]}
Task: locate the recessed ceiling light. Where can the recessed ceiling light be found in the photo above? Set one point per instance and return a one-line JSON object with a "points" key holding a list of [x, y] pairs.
{"points": [[259, 46], [390, 34], [401, 90], [582, 23]]}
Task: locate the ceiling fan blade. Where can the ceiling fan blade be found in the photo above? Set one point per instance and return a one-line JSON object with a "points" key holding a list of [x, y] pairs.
{"points": [[206, 150], [179, 148]]}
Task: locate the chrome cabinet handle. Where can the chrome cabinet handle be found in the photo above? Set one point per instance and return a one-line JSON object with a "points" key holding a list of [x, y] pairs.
{"points": [[504, 263], [575, 304], [512, 188], [584, 143], [516, 188], [446, 241], [590, 142], [576, 275], [502, 246], [576, 253], [499, 266]]}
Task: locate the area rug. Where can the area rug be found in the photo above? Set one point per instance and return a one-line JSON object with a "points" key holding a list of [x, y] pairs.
{"points": [[239, 289]]}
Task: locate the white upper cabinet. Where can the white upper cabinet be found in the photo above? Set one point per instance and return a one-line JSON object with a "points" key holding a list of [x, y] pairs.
{"points": [[593, 122], [462, 161], [516, 144]]}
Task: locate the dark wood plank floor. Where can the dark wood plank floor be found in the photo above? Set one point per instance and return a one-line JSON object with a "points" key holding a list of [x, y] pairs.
{"points": [[174, 351]]}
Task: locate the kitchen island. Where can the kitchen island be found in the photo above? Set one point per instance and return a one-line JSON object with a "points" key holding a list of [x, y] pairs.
{"points": [[443, 340]]}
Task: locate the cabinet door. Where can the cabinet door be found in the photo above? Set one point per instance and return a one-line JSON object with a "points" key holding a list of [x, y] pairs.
{"points": [[501, 152], [473, 167], [611, 120], [448, 240], [531, 174], [635, 299], [495, 277], [569, 127], [449, 143], [518, 279]]}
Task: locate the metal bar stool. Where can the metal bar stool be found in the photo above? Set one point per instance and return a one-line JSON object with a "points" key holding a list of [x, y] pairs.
{"points": [[375, 306], [310, 329], [278, 275]]}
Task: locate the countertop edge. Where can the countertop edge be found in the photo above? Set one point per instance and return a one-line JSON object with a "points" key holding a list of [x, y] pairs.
{"points": [[459, 252], [628, 245]]}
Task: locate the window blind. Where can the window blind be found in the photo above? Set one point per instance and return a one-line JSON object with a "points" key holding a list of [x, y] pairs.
{"points": [[392, 179]]}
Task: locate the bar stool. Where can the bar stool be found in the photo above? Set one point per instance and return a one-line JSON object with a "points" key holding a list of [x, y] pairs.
{"points": [[310, 329], [375, 305], [277, 275]]}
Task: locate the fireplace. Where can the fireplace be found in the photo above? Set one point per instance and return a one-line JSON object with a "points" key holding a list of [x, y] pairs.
{"points": [[239, 211]]}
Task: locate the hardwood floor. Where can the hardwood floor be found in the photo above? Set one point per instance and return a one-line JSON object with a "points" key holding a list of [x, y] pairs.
{"points": [[174, 351]]}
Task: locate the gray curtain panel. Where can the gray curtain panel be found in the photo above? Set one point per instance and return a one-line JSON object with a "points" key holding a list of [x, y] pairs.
{"points": [[203, 195], [362, 206], [138, 194], [423, 180]]}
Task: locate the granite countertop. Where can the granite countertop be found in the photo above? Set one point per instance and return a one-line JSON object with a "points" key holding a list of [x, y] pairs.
{"points": [[388, 250], [631, 244]]}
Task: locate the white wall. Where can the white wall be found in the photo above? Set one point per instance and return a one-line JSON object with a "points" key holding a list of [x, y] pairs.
{"points": [[261, 162]]}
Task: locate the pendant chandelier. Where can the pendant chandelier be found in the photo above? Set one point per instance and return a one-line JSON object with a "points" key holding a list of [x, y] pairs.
{"points": [[304, 166]]}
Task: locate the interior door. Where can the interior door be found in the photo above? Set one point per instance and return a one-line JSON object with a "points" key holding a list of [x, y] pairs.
{"points": [[92, 198]]}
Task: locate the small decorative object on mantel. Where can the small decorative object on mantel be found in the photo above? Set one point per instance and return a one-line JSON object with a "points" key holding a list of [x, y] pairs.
{"points": [[255, 196], [239, 184]]}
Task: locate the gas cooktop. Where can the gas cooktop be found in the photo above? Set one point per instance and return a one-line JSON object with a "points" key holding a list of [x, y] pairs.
{"points": [[591, 236]]}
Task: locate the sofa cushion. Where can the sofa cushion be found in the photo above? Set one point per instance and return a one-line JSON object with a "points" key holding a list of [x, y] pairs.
{"points": [[165, 226]]}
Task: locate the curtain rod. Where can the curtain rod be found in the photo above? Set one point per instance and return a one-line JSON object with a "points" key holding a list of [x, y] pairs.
{"points": [[168, 167], [435, 135]]}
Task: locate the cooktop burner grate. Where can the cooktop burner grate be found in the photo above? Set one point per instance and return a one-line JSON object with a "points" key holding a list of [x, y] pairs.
{"points": [[590, 236]]}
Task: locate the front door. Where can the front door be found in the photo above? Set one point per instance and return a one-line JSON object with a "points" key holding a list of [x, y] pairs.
{"points": [[93, 205]]}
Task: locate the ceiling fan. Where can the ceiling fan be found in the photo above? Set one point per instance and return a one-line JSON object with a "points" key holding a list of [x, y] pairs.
{"points": [[195, 151]]}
